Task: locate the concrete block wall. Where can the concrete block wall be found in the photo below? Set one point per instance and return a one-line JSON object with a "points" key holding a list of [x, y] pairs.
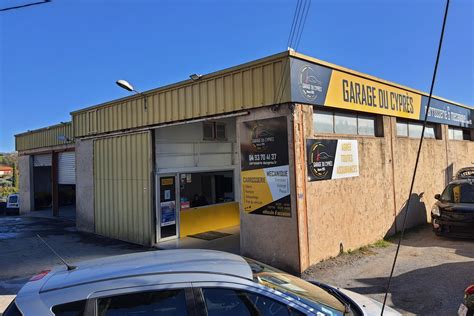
{"points": [[85, 185], [25, 167], [345, 214], [271, 239]]}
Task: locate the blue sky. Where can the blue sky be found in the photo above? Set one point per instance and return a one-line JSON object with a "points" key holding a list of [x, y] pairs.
{"points": [[66, 55]]}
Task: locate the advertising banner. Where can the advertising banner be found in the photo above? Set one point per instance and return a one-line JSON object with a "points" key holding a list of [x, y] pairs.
{"points": [[168, 213], [332, 159], [323, 86], [265, 167]]}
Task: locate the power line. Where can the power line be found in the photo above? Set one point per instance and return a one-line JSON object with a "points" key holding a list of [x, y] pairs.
{"points": [[25, 5], [294, 37], [417, 158]]}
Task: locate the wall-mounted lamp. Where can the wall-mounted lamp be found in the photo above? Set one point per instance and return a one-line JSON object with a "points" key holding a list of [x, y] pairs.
{"points": [[63, 138], [124, 84], [195, 77]]}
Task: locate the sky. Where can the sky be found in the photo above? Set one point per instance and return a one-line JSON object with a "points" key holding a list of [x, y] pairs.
{"points": [[67, 54]]}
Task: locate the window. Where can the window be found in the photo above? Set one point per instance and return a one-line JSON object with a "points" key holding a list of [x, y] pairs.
{"points": [[459, 193], [70, 309], [168, 303], [206, 188], [12, 310], [458, 133], [230, 302], [345, 123], [214, 131], [414, 129]]}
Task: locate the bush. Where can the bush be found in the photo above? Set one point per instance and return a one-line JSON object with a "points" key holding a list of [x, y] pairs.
{"points": [[5, 191]]}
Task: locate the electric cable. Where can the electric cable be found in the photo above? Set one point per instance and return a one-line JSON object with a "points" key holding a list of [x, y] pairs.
{"points": [[25, 5], [296, 30], [417, 159]]}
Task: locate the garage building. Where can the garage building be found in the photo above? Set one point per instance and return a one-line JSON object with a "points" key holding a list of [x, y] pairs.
{"points": [[47, 176], [309, 158]]}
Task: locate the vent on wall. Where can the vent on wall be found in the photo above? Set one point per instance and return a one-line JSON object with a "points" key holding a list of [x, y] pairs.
{"points": [[214, 131], [220, 131], [208, 131]]}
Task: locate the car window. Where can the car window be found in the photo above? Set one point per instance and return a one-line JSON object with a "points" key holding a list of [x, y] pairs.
{"points": [[459, 193], [13, 199], [70, 309], [232, 302], [12, 310], [166, 303]]}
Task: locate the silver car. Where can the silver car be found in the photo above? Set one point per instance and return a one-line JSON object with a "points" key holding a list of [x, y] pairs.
{"points": [[182, 282]]}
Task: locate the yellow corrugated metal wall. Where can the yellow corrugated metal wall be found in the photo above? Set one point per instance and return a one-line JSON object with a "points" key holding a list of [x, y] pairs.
{"points": [[44, 137], [227, 91], [123, 188]]}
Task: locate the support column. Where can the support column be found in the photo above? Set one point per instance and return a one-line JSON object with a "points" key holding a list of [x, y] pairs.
{"points": [[54, 187]]}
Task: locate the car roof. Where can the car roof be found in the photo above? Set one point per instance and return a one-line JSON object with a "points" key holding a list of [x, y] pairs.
{"points": [[150, 262], [459, 181]]}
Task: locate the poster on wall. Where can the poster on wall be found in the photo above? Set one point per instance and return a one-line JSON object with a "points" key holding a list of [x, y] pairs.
{"points": [[168, 213], [332, 159], [265, 174]]}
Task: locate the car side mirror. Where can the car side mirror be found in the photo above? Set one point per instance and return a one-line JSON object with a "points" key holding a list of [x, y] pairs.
{"points": [[437, 196]]}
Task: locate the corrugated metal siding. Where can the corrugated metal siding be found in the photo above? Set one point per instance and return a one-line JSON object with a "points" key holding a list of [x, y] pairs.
{"points": [[44, 137], [122, 188], [250, 86]]}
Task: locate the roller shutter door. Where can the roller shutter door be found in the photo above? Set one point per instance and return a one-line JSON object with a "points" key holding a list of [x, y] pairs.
{"points": [[67, 168], [42, 160]]}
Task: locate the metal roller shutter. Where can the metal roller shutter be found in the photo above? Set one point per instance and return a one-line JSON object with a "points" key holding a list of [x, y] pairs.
{"points": [[67, 168], [42, 160]]}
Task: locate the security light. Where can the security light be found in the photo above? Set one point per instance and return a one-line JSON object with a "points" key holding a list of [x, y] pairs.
{"points": [[62, 138], [195, 77], [124, 84]]}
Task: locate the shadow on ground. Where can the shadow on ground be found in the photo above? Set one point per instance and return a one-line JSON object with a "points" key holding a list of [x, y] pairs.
{"points": [[433, 295]]}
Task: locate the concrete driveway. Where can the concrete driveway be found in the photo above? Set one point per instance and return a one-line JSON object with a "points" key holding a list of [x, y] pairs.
{"points": [[23, 255], [430, 277]]}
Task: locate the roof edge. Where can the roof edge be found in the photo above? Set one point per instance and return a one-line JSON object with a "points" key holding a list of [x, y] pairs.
{"points": [[43, 128], [370, 77], [186, 82]]}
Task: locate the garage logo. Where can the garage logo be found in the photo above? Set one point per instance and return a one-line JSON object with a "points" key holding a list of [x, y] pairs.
{"points": [[261, 138], [320, 162], [309, 84]]}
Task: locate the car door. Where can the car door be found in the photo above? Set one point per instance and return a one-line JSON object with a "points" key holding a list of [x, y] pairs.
{"points": [[164, 299], [232, 299]]}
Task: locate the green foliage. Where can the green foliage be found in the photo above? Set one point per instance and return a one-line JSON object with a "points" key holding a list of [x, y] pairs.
{"points": [[5, 191]]}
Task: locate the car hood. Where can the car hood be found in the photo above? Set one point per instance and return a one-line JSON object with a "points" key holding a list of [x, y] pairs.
{"points": [[456, 207], [369, 306]]}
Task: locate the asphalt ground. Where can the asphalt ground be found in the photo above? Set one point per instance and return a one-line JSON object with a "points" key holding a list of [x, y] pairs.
{"points": [[23, 255], [430, 276]]}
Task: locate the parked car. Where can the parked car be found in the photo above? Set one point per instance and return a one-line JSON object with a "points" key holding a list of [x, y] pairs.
{"points": [[13, 204], [453, 213], [467, 307], [182, 282]]}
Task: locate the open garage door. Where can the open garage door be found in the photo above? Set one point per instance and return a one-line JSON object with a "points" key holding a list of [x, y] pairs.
{"points": [[42, 181]]}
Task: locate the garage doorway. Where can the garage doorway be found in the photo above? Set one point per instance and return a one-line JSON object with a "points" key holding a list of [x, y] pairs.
{"points": [[67, 184], [42, 181]]}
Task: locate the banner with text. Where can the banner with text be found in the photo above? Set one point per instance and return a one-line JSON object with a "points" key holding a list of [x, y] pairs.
{"points": [[332, 159], [264, 173], [323, 86]]}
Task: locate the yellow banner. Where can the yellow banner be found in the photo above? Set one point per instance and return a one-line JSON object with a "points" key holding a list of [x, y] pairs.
{"points": [[255, 190], [350, 92]]}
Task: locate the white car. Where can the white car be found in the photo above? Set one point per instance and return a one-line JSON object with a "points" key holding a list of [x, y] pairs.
{"points": [[13, 204], [182, 282]]}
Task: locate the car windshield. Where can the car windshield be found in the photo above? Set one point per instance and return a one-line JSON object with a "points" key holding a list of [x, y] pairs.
{"points": [[13, 199], [310, 294], [459, 193]]}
